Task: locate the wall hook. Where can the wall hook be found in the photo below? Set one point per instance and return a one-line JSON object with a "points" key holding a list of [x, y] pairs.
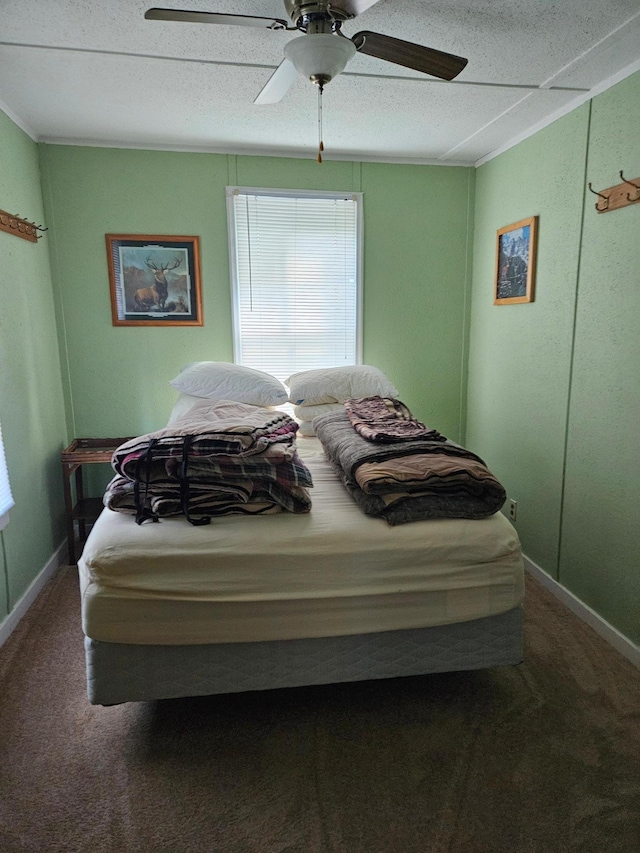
{"points": [[637, 186], [605, 197], [15, 224]]}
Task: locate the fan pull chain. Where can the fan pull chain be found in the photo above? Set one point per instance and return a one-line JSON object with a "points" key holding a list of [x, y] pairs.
{"points": [[320, 142]]}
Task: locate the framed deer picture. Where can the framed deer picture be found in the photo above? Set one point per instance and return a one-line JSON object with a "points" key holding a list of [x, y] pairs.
{"points": [[154, 280]]}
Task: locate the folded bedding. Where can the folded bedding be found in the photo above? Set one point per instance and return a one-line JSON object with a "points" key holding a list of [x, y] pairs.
{"points": [[408, 479], [386, 419], [220, 457]]}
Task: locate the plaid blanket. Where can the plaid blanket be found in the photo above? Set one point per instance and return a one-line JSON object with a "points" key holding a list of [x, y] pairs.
{"points": [[217, 459], [215, 427], [386, 419]]}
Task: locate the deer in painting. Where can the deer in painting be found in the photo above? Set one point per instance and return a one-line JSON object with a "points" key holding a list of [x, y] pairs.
{"points": [[147, 298]]}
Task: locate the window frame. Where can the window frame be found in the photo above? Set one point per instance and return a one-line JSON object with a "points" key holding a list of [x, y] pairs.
{"points": [[5, 486], [357, 197]]}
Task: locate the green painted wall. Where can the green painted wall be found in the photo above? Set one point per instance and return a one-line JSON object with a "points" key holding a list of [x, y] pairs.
{"points": [[600, 544], [31, 403], [418, 237], [553, 392], [520, 355], [414, 291]]}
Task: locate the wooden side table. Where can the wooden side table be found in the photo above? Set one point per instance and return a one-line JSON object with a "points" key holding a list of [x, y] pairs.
{"points": [[83, 451]]}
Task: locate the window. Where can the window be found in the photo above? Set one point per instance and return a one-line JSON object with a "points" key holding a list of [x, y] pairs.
{"points": [[6, 499], [296, 278]]}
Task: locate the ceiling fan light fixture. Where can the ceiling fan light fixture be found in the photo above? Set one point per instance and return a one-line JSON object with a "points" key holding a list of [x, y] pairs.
{"points": [[319, 56]]}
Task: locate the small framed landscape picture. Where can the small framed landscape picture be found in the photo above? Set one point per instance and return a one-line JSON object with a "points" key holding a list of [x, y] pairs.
{"points": [[154, 280], [516, 262]]}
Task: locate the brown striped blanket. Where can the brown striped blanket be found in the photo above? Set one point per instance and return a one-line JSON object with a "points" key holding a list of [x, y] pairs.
{"points": [[219, 458], [386, 419], [409, 480]]}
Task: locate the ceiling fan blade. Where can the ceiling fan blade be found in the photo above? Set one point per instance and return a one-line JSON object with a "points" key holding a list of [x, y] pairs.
{"points": [[425, 59], [278, 84], [215, 18]]}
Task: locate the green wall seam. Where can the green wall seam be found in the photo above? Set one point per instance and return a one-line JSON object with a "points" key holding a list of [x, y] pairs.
{"points": [[466, 305], [357, 177], [63, 343], [232, 170], [574, 324]]}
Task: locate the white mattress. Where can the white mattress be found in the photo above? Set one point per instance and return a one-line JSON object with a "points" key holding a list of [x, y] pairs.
{"points": [[332, 572]]}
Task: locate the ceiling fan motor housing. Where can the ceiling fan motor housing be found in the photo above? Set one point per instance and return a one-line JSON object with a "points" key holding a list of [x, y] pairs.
{"points": [[318, 16]]}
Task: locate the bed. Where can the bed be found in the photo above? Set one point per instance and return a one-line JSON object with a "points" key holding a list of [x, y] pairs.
{"points": [[314, 591], [171, 610]]}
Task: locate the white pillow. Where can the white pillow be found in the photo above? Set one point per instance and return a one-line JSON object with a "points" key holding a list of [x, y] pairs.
{"points": [[182, 406], [221, 380], [308, 413], [337, 384]]}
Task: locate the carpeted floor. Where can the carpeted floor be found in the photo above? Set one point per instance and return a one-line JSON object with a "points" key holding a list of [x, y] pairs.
{"points": [[540, 758]]}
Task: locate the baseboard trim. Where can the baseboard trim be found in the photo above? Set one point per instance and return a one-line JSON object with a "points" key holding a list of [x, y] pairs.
{"points": [[619, 642], [57, 559]]}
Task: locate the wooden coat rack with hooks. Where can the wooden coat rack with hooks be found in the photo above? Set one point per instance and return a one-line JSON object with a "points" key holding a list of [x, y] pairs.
{"points": [[621, 195], [14, 224]]}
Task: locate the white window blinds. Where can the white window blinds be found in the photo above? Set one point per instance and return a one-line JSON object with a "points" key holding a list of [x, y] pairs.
{"points": [[6, 498], [296, 278]]}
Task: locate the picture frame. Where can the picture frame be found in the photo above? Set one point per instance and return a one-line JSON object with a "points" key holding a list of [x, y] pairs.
{"points": [[154, 280], [516, 247]]}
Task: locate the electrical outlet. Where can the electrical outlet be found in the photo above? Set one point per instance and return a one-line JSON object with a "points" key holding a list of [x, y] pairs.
{"points": [[513, 509]]}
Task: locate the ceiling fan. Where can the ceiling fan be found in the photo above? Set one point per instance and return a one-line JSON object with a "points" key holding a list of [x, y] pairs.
{"points": [[323, 51]]}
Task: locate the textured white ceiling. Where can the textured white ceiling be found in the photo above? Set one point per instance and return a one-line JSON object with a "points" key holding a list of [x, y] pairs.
{"points": [[94, 72]]}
